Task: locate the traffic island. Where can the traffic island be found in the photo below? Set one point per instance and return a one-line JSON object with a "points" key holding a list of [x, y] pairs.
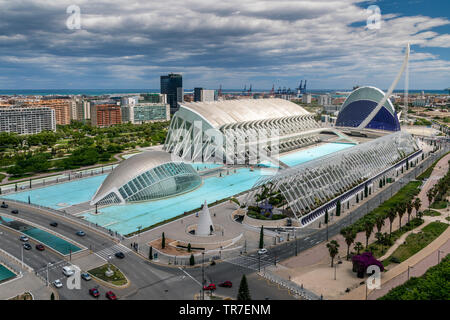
{"points": [[109, 275]]}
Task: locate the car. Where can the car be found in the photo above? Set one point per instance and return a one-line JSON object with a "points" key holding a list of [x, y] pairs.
{"points": [[4, 205], [226, 284], [27, 246], [210, 287], [262, 251], [68, 271], [57, 283], [54, 224], [23, 238], [94, 292], [40, 247], [111, 295], [15, 211], [86, 276], [120, 255], [80, 233]]}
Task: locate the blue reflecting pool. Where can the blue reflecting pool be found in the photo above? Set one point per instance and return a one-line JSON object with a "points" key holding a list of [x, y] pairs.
{"points": [[126, 218], [5, 273]]}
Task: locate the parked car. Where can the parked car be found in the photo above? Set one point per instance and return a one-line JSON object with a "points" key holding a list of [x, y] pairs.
{"points": [[57, 283], [111, 295], [262, 251], [210, 287], [40, 247], [27, 246], [94, 292], [68, 271], [120, 255], [80, 233], [86, 276], [226, 284], [4, 205], [54, 224], [15, 211], [24, 238]]}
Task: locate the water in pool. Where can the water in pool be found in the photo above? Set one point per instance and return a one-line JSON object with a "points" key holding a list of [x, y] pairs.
{"points": [[126, 218]]}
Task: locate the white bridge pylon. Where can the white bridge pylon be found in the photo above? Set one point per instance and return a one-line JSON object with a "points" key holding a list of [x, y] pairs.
{"points": [[386, 96]]}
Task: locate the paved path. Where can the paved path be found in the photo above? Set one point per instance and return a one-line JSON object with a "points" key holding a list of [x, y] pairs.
{"points": [[421, 261]]}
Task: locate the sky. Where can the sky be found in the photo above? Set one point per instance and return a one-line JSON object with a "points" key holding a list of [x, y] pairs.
{"points": [[121, 44]]}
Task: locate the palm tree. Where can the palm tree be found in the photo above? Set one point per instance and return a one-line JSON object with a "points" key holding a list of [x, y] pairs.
{"points": [[368, 228], [358, 247], [401, 211], [430, 196], [379, 221], [333, 249], [409, 208], [417, 204], [391, 215], [349, 236]]}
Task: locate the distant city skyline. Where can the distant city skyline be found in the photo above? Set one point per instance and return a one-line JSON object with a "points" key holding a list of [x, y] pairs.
{"points": [[232, 44]]}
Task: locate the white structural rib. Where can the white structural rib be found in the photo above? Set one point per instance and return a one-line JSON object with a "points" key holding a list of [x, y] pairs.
{"points": [[386, 96]]}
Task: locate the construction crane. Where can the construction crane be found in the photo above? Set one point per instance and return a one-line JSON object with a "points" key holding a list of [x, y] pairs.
{"points": [[301, 88]]}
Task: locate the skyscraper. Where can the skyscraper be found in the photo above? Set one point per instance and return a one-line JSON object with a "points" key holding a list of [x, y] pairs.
{"points": [[172, 86]]}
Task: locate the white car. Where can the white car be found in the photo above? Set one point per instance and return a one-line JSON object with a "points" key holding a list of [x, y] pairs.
{"points": [[68, 271], [262, 251], [57, 283], [24, 238]]}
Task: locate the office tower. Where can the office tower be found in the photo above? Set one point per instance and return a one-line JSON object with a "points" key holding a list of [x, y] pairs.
{"points": [[172, 86]]}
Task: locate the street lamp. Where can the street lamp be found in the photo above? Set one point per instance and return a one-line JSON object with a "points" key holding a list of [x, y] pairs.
{"points": [[48, 264], [439, 255], [203, 275], [409, 267]]}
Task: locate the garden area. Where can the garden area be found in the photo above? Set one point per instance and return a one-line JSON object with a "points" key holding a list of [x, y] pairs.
{"points": [[73, 146], [117, 278], [433, 285], [416, 242]]}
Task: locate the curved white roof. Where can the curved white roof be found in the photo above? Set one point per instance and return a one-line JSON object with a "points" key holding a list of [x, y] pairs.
{"points": [[131, 168], [219, 113], [368, 93]]}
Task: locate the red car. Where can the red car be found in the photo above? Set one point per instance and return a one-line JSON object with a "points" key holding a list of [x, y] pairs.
{"points": [[94, 292], [40, 247], [226, 284], [210, 287], [111, 296]]}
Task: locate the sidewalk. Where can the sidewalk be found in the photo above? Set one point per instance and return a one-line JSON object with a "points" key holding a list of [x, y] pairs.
{"points": [[27, 283]]}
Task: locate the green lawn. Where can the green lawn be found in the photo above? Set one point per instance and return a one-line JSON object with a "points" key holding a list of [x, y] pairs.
{"points": [[378, 249], [439, 205], [431, 213], [117, 278], [416, 242]]}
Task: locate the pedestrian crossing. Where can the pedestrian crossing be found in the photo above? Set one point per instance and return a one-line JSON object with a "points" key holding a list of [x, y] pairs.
{"points": [[108, 253], [252, 263]]}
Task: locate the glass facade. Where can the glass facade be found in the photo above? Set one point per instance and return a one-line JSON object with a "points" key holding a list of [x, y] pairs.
{"points": [[143, 113], [162, 181]]}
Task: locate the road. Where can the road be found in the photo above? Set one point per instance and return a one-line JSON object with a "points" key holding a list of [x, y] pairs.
{"points": [[147, 280]]}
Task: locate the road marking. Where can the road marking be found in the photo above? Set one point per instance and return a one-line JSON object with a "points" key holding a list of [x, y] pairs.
{"points": [[190, 276], [108, 253]]}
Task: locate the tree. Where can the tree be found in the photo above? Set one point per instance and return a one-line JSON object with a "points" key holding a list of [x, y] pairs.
{"points": [[150, 253], [409, 208], [333, 249], [261, 238], [243, 292], [52, 296], [163, 241], [401, 211], [368, 228], [358, 247], [391, 215], [338, 208], [189, 247], [349, 236], [417, 204], [379, 221], [192, 260]]}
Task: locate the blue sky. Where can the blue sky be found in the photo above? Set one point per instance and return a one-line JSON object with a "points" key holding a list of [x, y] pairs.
{"points": [[130, 43]]}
